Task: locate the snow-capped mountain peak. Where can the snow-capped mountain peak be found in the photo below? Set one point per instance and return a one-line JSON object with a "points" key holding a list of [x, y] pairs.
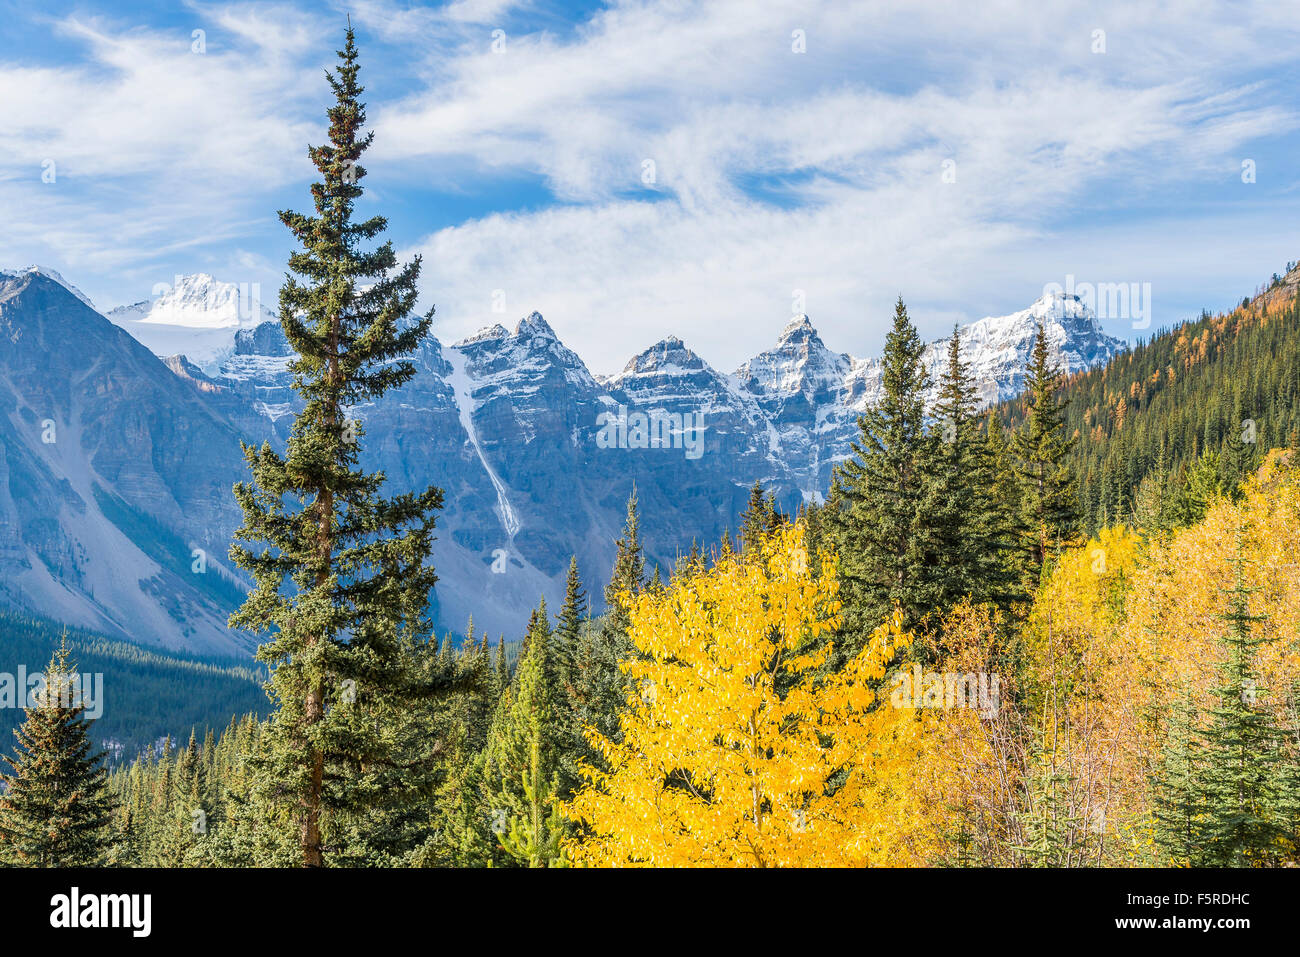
{"points": [[797, 326], [800, 362], [998, 347], [196, 316], [48, 274], [534, 326], [199, 301]]}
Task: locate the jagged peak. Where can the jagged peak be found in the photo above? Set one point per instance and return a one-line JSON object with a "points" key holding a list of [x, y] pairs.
{"points": [[534, 325], [495, 331], [799, 324], [669, 352], [669, 346], [798, 362]]}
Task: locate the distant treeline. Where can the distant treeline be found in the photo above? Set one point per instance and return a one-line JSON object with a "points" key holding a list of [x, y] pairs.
{"points": [[1208, 397], [147, 694]]}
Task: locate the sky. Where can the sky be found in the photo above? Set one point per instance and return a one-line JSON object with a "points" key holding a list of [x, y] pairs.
{"points": [[635, 170]]}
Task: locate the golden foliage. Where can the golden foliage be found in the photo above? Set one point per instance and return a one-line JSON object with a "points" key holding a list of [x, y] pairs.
{"points": [[739, 751]]}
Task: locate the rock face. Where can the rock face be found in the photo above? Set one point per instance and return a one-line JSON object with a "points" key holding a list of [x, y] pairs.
{"points": [[115, 477], [537, 457]]}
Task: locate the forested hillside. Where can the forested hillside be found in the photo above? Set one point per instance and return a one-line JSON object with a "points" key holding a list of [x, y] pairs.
{"points": [[1219, 390], [147, 695]]}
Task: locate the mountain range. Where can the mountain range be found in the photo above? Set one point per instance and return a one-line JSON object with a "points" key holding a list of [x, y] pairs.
{"points": [[120, 439]]}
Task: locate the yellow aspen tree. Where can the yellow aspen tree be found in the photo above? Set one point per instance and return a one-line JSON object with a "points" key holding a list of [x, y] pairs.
{"points": [[734, 751]]}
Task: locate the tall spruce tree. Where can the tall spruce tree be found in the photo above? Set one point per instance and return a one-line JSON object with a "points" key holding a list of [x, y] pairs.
{"points": [[345, 579], [568, 627], [566, 647], [1176, 805], [878, 524], [522, 768], [1006, 495], [967, 538], [600, 685], [756, 521], [1242, 749], [1048, 500], [56, 810]]}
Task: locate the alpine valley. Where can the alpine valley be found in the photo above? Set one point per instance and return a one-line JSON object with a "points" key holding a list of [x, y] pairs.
{"points": [[120, 440]]}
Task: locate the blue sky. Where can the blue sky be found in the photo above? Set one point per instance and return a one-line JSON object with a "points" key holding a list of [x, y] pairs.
{"points": [[523, 172]]}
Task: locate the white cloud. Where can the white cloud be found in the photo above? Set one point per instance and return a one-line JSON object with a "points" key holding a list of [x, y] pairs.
{"points": [[156, 149], [857, 128], [774, 170]]}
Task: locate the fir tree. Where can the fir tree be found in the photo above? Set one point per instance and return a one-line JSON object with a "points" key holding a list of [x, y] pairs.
{"points": [[568, 627], [1048, 500], [524, 746], [756, 520], [879, 529], [566, 644], [346, 575], [601, 687], [968, 541], [502, 671], [1176, 804], [56, 810], [1238, 778]]}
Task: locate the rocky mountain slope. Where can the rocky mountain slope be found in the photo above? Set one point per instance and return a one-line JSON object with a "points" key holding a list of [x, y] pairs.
{"points": [[537, 456]]}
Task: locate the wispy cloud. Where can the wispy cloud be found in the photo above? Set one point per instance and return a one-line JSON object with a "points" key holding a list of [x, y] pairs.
{"points": [[686, 167]]}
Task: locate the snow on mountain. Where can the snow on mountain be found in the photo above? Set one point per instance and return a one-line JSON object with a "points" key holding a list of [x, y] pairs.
{"points": [[48, 274], [196, 316], [800, 363], [997, 349], [537, 456]]}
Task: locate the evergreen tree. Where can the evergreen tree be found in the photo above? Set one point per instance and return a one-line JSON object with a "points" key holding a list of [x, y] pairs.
{"points": [[601, 687], [186, 821], [537, 840], [1238, 778], [879, 529], [522, 771], [756, 520], [346, 575], [1176, 804], [1048, 499], [1005, 491], [568, 628], [566, 643], [56, 810], [1048, 822], [967, 540], [502, 681]]}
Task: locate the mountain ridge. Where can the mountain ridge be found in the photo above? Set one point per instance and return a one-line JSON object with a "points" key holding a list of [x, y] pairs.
{"points": [[512, 424]]}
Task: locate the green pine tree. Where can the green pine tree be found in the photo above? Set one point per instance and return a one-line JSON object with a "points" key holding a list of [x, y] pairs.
{"points": [[55, 810], [523, 752], [1048, 499], [568, 627], [877, 493], [600, 685], [756, 521], [345, 578], [968, 541], [1177, 810], [1241, 749]]}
